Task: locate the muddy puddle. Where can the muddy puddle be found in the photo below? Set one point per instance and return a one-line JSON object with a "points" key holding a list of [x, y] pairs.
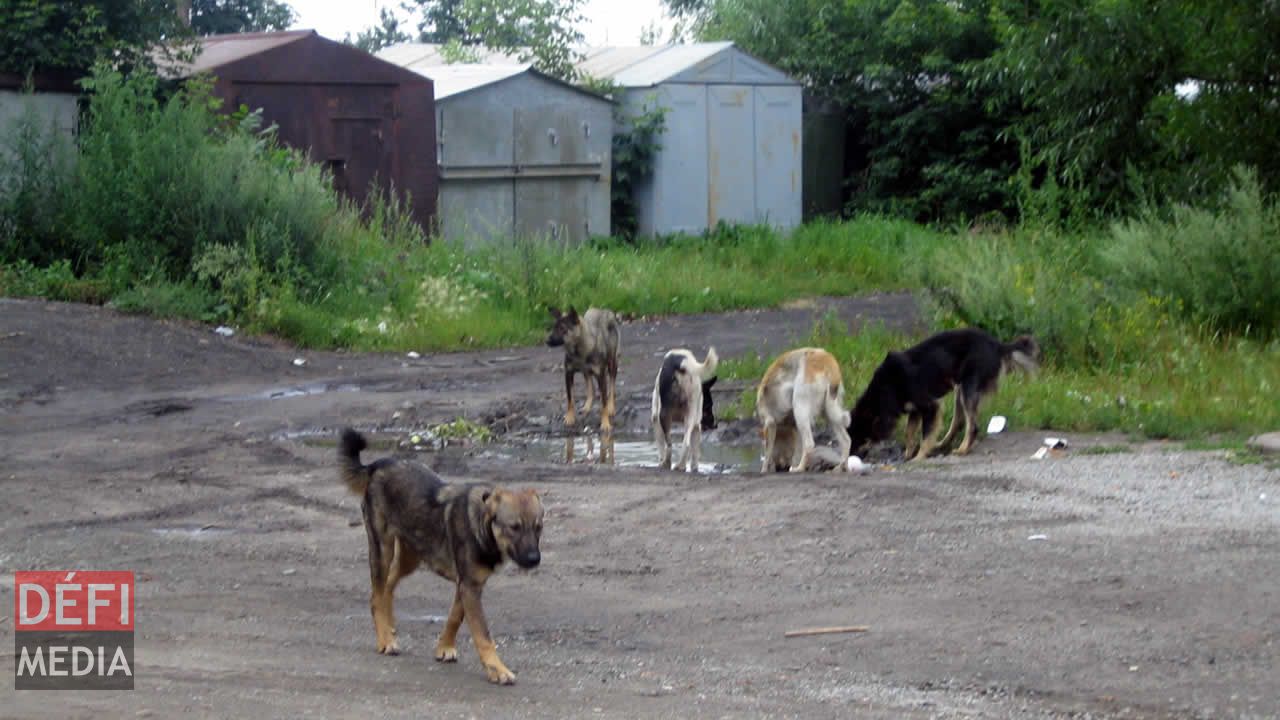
{"points": [[623, 450]]}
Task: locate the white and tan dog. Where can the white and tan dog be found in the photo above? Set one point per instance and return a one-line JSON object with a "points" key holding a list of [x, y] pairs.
{"points": [[798, 387], [682, 393]]}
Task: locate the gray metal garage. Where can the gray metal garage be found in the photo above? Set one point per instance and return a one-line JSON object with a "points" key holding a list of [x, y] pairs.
{"points": [[521, 154], [732, 147]]}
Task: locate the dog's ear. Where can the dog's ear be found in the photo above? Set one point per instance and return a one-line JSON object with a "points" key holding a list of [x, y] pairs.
{"points": [[491, 498], [572, 314], [555, 312], [707, 385]]}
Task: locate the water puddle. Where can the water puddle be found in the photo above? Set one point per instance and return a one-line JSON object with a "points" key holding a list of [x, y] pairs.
{"points": [[623, 451]]}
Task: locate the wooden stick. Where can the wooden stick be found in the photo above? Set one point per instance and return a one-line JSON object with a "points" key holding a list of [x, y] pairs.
{"points": [[827, 630]]}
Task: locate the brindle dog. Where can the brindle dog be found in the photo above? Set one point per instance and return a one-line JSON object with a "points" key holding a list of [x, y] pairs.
{"points": [[461, 532], [590, 347]]}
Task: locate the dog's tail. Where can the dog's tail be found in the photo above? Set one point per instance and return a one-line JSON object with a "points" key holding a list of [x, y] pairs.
{"points": [[353, 473], [1023, 353], [707, 369]]}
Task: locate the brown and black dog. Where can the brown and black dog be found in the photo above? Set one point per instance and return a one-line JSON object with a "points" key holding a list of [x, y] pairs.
{"points": [[461, 532], [913, 381], [590, 347]]}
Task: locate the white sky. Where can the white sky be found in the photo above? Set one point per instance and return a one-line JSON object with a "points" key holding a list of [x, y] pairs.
{"points": [[609, 22]]}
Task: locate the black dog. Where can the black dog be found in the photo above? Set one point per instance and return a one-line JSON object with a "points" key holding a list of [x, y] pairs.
{"points": [[913, 381]]}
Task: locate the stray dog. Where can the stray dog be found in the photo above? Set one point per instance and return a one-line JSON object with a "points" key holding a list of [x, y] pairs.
{"points": [[591, 348], [682, 392], [913, 381], [462, 532], [797, 387]]}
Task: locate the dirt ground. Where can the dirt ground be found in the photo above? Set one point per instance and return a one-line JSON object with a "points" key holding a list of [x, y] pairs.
{"points": [[1138, 583]]}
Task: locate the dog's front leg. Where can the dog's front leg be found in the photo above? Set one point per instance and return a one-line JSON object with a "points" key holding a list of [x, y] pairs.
{"points": [[447, 645], [913, 431], [569, 417], [485, 648]]}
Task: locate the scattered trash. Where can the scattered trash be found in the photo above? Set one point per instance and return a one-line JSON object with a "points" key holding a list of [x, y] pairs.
{"points": [[412, 355], [1040, 454], [1056, 443], [1262, 496], [857, 466], [827, 631], [299, 362], [289, 571], [1037, 537], [996, 425], [224, 331], [1133, 668]]}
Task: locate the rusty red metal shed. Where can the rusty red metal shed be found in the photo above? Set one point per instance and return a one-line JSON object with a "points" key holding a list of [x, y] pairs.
{"points": [[366, 119]]}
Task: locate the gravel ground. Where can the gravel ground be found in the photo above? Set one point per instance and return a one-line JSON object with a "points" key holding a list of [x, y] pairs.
{"points": [[1097, 584]]}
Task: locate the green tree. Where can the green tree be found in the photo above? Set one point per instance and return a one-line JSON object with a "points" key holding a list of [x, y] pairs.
{"points": [[219, 17], [1101, 82], [388, 31], [928, 144], [544, 32], [49, 35]]}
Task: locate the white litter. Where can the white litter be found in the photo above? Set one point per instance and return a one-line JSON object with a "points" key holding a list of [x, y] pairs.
{"points": [[1055, 443], [996, 425], [1037, 537], [224, 331], [856, 465], [1040, 454], [299, 362], [412, 355]]}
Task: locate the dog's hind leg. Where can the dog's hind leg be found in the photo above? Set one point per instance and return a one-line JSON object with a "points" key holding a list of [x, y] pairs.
{"points": [[606, 404], [692, 438], [769, 433], [971, 400], [838, 419], [929, 427], [447, 645], [485, 648], [804, 426], [956, 416], [569, 417], [380, 564], [661, 436], [591, 395]]}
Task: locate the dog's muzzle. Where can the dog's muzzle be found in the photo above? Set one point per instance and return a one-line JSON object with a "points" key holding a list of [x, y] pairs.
{"points": [[529, 559], [554, 342]]}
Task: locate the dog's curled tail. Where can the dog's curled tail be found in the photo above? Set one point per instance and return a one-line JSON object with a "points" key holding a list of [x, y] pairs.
{"points": [[353, 473], [1024, 352], [707, 369]]}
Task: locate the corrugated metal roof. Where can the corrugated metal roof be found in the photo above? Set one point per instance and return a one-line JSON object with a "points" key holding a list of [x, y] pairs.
{"points": [[646, 66], [452, 80], [218, 50]]}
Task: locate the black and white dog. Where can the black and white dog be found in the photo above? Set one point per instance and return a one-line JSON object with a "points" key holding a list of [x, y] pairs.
{"points": [[682, 393]]}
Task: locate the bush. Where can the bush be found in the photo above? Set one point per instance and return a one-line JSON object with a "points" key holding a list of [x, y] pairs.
{"points": [[1220, 267]]}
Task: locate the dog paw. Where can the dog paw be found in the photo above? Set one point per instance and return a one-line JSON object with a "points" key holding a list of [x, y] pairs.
{"points": [[500, 675], [390, 648], [446, 654]]}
